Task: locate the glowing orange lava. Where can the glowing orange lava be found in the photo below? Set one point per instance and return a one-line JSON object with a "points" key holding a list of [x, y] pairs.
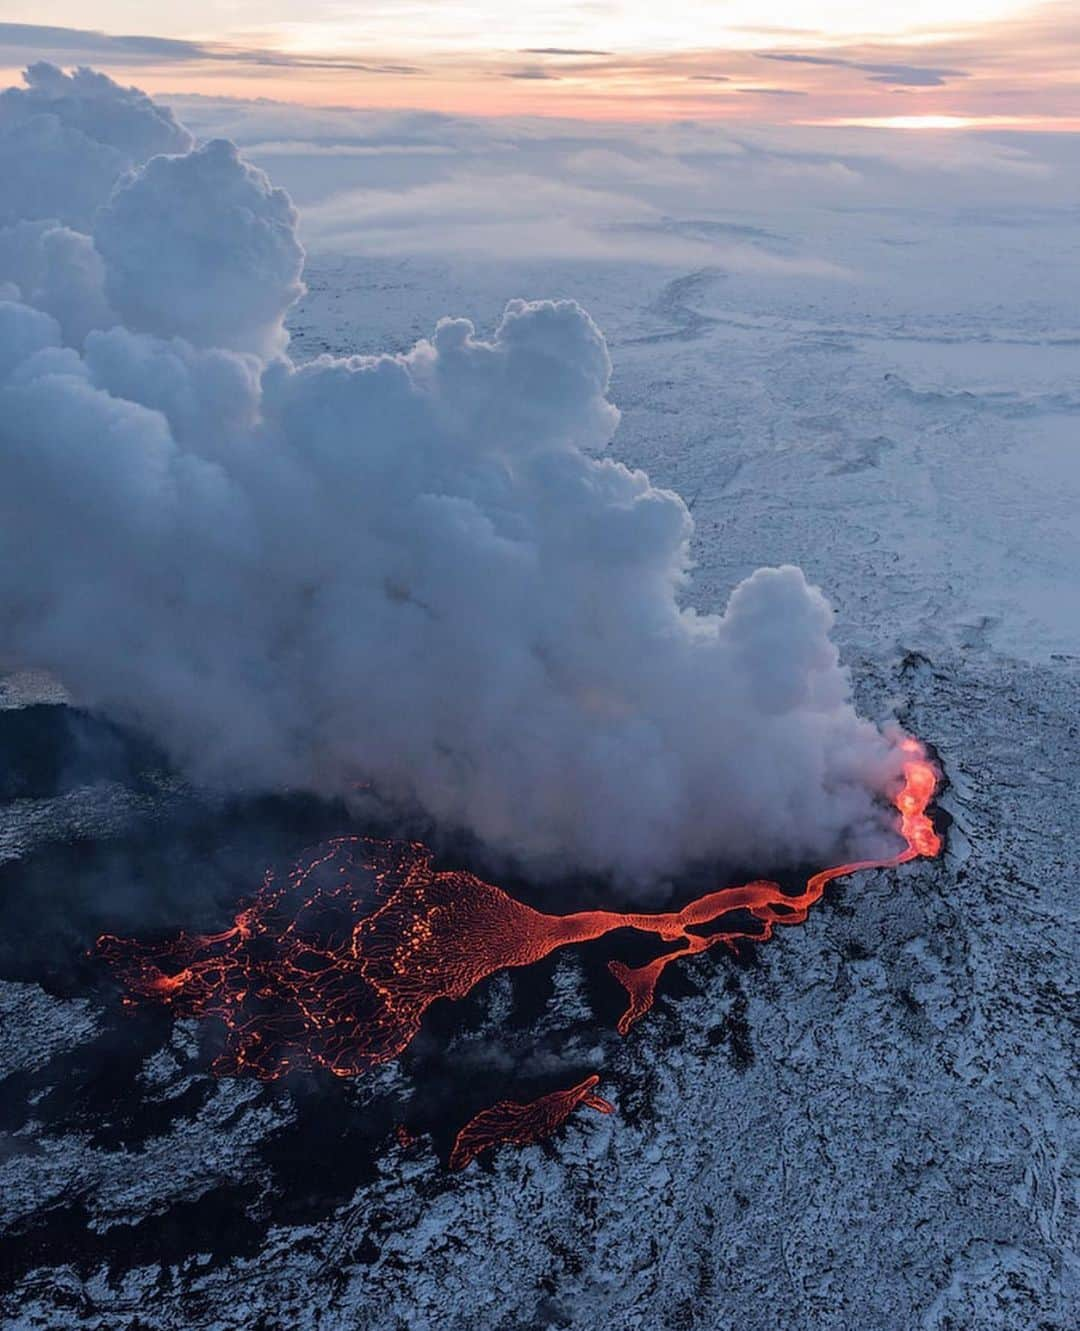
{"points": [[335, 966], [521, 1125]]}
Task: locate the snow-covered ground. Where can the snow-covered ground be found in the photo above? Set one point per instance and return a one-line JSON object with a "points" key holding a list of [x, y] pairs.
{"points": [[869, 1124]]}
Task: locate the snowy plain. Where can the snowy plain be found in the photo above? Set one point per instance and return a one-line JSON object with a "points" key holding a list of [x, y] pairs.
{"points": [[846, 352]]}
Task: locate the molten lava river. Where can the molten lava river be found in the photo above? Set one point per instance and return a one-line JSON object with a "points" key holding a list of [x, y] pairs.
{"points": [[335, 965]]}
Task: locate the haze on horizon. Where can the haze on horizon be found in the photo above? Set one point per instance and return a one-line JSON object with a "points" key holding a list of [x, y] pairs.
{"points": [[902, 63]]}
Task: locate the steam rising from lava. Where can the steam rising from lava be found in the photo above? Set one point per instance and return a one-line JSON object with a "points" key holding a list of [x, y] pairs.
{"points": [[413, 571]]}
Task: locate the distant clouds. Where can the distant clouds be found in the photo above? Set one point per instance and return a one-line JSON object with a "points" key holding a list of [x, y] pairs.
{"points": [[523, 188], [37, 37], [88, 44], [1018, 70], [921, 76], [562, 50]]}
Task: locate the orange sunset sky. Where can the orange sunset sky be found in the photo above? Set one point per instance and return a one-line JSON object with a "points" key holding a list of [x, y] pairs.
{"points": [[908, 63]]}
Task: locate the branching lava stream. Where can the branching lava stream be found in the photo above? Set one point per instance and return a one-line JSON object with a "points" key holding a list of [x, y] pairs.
{"points": [[335, 966], [508, 1121]]}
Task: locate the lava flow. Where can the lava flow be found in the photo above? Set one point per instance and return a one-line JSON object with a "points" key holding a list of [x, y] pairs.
{"points": [[335, 965], [523, 1124]]}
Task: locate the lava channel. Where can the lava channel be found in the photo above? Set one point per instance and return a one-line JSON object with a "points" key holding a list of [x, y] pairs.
{"points": [[523, 1124], [335, 965]]}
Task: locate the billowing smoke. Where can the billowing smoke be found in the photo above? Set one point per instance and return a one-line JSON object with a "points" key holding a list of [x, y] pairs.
{"points": [[411, 571]]}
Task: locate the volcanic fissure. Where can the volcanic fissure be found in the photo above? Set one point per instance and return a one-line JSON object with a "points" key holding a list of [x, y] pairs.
{"points": [[335, 966]]}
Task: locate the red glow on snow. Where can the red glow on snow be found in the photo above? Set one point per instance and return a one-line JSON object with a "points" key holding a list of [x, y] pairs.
{"points": [[335, 966]]}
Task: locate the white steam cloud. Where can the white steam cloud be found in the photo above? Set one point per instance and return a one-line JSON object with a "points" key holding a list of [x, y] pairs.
{"points": [[404, 570]]}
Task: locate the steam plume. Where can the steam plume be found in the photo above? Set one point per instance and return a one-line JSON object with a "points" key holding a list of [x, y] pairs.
{"points": [[410, 570]]}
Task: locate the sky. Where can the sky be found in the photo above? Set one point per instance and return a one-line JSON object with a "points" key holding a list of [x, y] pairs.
{"points": [[901, 63]]}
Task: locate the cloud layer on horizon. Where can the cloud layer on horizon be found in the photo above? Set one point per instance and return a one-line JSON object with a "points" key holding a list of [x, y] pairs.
{"points": [[738, 200]]}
